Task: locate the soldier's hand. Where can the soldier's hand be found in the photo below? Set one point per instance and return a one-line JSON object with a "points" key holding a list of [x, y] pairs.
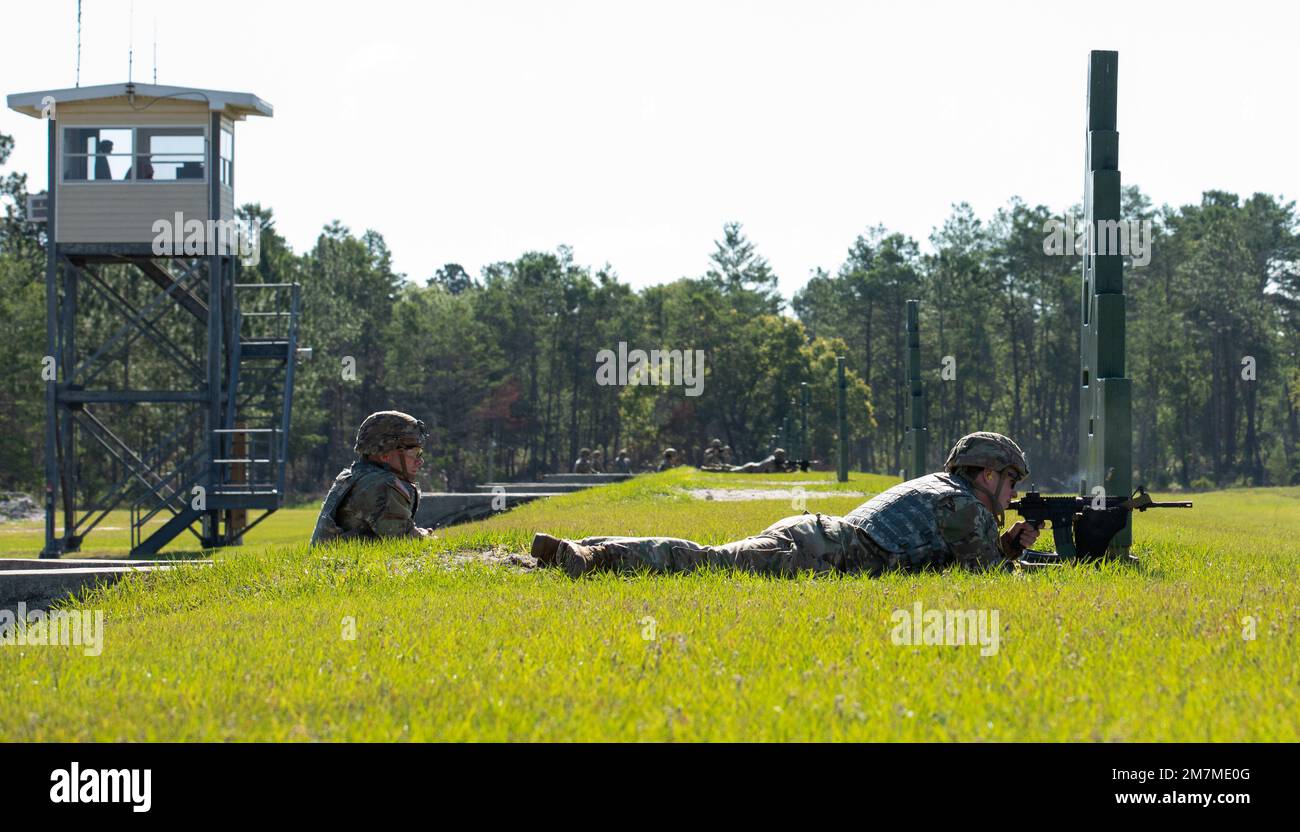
{"points": [[1023, 533]]}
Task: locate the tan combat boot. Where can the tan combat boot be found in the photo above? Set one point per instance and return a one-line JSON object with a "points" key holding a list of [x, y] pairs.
{"points": [[576, 559], [545, 549]]}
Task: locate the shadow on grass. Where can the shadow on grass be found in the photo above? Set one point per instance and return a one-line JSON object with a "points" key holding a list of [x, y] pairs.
{"points": [[184, 554]]}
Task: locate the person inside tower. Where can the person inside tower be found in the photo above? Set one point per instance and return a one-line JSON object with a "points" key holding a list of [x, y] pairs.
{"points": [[143, 169], [102, 170]]}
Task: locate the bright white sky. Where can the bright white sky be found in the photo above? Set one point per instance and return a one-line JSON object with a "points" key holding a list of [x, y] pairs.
{"points": [[471, 131]]}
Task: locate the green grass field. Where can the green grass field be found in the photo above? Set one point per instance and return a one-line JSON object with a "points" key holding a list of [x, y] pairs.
{"points": [[449, 647]]}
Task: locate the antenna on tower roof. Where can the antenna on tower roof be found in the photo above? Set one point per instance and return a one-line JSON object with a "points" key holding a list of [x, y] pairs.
{"points": [[130, 43], [155, 49], [78, 43]]}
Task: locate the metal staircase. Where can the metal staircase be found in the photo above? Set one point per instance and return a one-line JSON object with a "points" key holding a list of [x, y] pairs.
{"points": [[243, 468]]}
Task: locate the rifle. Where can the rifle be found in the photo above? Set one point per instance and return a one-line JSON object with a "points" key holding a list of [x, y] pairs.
{"points": [[1078, 529]]}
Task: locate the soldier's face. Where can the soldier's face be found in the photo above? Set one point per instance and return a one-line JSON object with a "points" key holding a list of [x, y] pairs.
{"points": [[1006, 489], [414, 458], [1007, 492]]}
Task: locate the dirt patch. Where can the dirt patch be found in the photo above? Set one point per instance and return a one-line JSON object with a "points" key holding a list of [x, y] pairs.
{"points": [[729, 495], [497, 556]]}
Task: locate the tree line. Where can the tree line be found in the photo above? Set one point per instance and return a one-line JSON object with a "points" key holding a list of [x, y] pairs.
{"points": [[504, 365]]}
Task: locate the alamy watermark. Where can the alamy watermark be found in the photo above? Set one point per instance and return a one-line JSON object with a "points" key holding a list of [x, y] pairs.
{"points": [[799, 498], [951, 628], [681, 368], [1071, 236], [177, 236], [39, 628], [74, 784]]}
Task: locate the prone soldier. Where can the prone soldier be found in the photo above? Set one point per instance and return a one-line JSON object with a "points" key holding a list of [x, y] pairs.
{"points": [[774, 463], [932, 522]]}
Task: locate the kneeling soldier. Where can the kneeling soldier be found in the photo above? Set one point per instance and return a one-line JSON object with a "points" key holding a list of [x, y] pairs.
{"points": [[931, 522], [377, 495]]}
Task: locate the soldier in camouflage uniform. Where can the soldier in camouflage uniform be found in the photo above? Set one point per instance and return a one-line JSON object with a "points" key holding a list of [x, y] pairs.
{"points": [[669, 461], [598, 461], [939, 520], [377, 495], [771, 465], [582, 465], [931, 522], [623, 464], [713, 457]]}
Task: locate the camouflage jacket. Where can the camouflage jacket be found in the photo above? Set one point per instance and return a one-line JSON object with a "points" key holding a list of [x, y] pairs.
{"points": [[934, 521], [368, 501]]}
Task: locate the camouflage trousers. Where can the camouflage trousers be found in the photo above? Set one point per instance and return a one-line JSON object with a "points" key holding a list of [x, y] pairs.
{"points": [[817, 542]]}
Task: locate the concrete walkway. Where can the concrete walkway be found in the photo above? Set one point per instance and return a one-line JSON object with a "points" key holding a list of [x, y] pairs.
{"points": [[39, 583], [443, 508]]}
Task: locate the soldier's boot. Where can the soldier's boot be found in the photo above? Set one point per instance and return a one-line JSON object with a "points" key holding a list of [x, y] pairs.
{"points": [[576, 559], [545, 549]]}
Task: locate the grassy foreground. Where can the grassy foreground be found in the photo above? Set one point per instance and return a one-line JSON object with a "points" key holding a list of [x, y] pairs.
{"points": [[447, 646]]}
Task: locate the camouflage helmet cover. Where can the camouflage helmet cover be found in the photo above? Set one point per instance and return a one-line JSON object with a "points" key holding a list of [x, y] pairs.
{"points": [[716, 443], [670, 452], [779, 452], [389, 430], [987, 450]]}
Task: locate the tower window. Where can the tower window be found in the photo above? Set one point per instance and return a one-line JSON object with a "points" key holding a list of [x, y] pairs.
{"points": [[97, 154], [134, 154], [227, 158]]}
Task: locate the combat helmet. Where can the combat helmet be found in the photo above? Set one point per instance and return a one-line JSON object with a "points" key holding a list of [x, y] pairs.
{"points": [[779, 453], [389, 430], [987, 450]]}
